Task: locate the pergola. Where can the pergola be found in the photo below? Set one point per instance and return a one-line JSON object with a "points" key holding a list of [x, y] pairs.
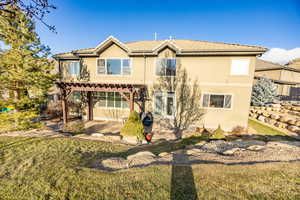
{"points": [[136, 94]]}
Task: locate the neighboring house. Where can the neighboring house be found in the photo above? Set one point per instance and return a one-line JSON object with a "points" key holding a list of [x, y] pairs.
{"points": [[116, 74], [285, 77]]}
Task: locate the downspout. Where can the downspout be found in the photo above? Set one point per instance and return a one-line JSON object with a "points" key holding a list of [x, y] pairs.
{"points": [[143, 103]]}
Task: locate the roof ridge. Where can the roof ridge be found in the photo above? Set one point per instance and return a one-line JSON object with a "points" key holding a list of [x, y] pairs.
{"points": [[226, 43]]}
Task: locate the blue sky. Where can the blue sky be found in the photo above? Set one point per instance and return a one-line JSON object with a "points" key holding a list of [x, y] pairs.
{"points": [[269, 23]]}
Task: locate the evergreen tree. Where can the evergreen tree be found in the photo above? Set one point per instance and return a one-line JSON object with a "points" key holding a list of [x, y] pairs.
{"points": [[263, 92], [25, 70]]}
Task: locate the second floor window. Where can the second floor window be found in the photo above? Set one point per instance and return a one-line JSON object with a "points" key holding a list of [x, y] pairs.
{"points": [[74, 68], [166, 67], [114, 66]]}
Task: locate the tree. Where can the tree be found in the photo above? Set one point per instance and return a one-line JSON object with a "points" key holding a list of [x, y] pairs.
{"points": [[263, 92], [187, 109], [31, 8], [25, 70]]}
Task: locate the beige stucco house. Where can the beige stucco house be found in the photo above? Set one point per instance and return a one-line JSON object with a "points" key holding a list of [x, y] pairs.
{"points": [[113, 69], [285, 77]]}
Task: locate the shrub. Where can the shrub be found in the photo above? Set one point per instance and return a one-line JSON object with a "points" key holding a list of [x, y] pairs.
{"points": [[74, 127], [16, 121], [218, 134], [133, 126], [54, 109]]}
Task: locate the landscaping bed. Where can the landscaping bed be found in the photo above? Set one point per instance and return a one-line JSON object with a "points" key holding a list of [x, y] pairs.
{"points": [[61, 168]]}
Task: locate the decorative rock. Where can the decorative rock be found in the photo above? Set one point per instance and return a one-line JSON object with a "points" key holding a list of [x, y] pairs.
{"points": [[193, 151], [255, 148], [201, 143], [268, 109], [114, 163], [280, 125], [130, 139], [230, 152], [266, 114], [270, 121], [297, 123], [275, 116], [261, 118], [275, 105], [292, 122], [141, 158], [97, 134], [162, 154], [293, 128], [284, 119]]}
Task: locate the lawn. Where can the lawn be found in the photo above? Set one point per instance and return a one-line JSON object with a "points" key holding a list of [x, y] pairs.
{"points": [[57, 168], [263, 129]]}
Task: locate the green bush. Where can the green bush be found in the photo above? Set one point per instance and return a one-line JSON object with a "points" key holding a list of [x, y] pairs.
{"points": [[218, 134], [16, 121], [133, 126], [74, 127]]}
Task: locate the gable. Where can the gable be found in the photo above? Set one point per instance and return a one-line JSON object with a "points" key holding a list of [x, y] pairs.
{"points": [[113, 51]]}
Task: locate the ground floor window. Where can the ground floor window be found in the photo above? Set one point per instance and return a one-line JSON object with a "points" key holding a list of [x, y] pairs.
{"points": [[164, 103], [216, 101], [111, 100]]}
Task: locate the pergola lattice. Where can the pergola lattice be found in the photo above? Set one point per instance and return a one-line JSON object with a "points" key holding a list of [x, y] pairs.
{"points": [[136, 94]]}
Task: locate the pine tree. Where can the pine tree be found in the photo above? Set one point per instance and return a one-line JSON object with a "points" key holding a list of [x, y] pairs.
{"points": [[25, 70], [263, 92]]}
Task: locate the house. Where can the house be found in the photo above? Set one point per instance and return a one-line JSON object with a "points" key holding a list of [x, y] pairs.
{"points": [[116, 76], [285, 77]]}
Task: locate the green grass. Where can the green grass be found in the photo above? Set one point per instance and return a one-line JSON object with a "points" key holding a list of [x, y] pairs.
{"points": [[263, 129], [57, 168]]}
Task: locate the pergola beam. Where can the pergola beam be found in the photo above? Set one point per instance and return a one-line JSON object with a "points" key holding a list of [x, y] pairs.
{"points": [[68, 87]]}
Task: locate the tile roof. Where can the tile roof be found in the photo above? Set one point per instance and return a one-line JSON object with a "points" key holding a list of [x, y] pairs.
{"points": [[181, 45]]}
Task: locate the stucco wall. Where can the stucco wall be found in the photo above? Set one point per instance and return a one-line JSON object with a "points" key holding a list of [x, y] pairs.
{"points": [[212, 72]]}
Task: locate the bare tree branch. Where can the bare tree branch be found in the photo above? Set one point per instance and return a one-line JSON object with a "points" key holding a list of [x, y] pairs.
{"points": [[32, 8]]}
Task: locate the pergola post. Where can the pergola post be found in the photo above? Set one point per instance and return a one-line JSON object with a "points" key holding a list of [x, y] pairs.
{"points": [[131, 101], [90, 106], [64, 104]]}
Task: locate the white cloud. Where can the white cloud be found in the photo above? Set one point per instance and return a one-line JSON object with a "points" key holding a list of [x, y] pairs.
{"points": [[281, 56]]}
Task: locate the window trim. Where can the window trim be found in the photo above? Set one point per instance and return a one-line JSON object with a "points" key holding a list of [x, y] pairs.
{"points": [[165, 97], [74, 61], [155, 66], [214, 108], [114, 75], [112, 108]]}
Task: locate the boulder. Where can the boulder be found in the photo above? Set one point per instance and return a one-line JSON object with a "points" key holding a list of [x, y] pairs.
{"points": [[293, 128], [270, 121], [259, 112], [97, 134], [292, 122], [284, 119], [193, 151], [275, 105], [230, 152], [141, 158], [268, 109], [255, 148], [266, 114], [275, 116], [162, 154], [261, 118], [201, 143], [114, 163], [276, 109], [280, 125], [130, 140], [297, 123]]}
